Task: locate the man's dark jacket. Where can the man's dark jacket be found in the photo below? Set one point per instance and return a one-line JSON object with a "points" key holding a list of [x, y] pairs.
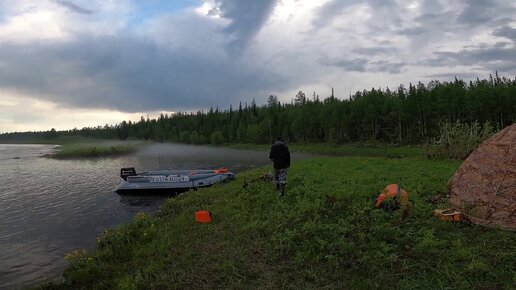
{"points": [[280, 155]]}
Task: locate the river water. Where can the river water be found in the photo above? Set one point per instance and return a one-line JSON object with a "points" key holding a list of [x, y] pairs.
{"points": [[49, 207]]}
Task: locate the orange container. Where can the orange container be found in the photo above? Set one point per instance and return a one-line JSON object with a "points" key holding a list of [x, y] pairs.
{"points": [[203, 216]]}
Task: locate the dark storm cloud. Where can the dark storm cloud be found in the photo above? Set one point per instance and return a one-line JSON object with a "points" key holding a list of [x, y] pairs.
{"points": [[452, 76], [246, 19], [74, 7], [385, 66], [128, 74], [491, 58], [477, 12], [430, 23], [364, 65], [485, 12], [435, 20], [411, 31], [374, 50], [507, 32], [357, 64]]}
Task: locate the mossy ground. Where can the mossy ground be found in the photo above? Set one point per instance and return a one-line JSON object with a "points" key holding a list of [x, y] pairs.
{"points": [[323, 234]]}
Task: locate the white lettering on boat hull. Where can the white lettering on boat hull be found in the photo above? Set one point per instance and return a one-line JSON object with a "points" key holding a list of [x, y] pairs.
{"points": [[170, 178]]}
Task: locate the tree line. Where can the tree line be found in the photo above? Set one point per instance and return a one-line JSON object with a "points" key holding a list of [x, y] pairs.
{"points": [[404, 116]]}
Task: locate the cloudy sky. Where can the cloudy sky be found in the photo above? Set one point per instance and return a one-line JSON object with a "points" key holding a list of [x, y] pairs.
{"points": [[76, 63]]}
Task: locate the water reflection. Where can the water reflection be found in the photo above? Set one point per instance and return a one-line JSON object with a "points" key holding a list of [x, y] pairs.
{"points": [[139, 203]]}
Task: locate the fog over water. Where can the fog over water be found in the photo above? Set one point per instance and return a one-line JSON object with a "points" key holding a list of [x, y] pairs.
{"points": [[49, 207]]}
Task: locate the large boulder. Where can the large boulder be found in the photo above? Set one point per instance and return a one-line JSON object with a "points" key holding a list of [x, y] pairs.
{"points": [[484, 187]]}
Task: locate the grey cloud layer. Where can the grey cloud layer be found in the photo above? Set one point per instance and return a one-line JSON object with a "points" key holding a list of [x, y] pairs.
{"points": [[190, 62], [499, 58], [128, 74], [507, 32], [135, 73], [365, 65], [434, 24]]}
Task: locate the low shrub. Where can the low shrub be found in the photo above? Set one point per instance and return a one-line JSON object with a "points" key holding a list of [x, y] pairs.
{"points": [[217, 138], [457, 140]]}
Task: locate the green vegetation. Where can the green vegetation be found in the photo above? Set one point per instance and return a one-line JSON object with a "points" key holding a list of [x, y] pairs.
{"points": [[457, 140], [323, 234], [402, 116], [217, 138], [350, 149], [96, 148]]}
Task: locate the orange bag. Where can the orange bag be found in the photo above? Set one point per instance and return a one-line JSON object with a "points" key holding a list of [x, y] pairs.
{"points": [[203, 216]]}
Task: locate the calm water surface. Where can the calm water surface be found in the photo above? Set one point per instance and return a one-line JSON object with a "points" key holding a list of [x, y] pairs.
{"points": [[50, 207]]}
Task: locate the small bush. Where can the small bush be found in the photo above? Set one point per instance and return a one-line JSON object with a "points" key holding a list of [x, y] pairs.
{"points": [[184, 137], [217, 138], [457, 141], [196, 139]]}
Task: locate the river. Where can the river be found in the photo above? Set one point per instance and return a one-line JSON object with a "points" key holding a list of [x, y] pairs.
{"points": [[49, 207]]}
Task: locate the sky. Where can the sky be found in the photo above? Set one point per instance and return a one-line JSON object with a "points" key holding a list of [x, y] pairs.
{"points": [[77, 63]]}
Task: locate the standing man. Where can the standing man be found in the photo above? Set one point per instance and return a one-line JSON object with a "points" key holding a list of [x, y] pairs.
{"points": [[280, 156]]}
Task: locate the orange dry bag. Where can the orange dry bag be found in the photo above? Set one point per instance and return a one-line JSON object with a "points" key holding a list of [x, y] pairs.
{"points": [[203, 216]]}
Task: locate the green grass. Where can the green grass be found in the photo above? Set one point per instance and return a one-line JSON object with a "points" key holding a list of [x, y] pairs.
{"points": [[350, 149], [95, 148], [323, 234]]}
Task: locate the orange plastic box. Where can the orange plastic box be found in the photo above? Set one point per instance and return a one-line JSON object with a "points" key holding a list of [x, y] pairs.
{"points": [[203, 216]]}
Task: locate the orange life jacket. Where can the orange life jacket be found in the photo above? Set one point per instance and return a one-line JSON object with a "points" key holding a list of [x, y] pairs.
{"points": [[393, 191]]}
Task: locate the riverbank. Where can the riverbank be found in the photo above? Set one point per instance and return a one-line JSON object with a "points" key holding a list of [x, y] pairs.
{"points": [[323, 233], [78, 147]]}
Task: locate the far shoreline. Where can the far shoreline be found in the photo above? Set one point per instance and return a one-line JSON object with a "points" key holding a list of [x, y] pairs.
{"points": [[98, 148]]}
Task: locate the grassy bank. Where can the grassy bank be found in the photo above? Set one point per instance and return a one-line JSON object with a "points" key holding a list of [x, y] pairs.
{"points": [[324, 233], [96, 149], [349, 149]]}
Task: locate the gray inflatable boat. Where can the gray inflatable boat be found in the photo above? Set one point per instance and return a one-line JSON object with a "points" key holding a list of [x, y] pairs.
{"points": [[170, 181]]}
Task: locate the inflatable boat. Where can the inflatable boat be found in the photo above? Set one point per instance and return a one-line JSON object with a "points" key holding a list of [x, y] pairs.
{"points": [[170, 181]]}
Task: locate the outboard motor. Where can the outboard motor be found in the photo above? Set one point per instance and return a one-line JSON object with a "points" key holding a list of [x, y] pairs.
{"points": [[126, 172]]}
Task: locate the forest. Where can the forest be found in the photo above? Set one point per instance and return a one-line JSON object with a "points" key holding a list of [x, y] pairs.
{"points": [[410, 115]]}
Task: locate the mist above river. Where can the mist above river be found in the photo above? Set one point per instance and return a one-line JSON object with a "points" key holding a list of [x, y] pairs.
{"points": [[179, 156]]}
